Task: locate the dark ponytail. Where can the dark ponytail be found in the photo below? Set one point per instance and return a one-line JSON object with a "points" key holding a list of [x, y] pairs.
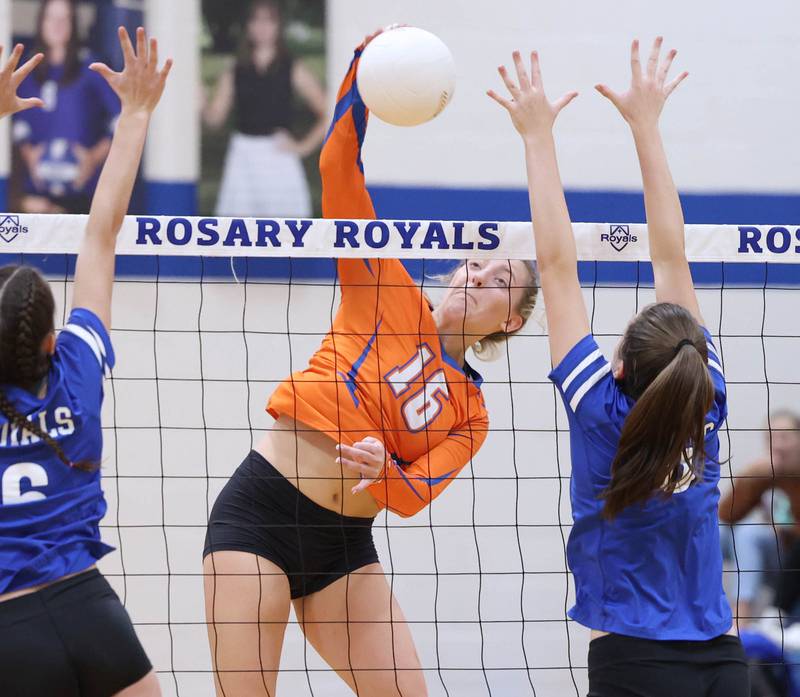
{"points": [[665, 366], [27, 308]]}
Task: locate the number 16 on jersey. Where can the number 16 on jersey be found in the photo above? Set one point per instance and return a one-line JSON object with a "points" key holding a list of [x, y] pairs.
{"points": [[421, 408]]}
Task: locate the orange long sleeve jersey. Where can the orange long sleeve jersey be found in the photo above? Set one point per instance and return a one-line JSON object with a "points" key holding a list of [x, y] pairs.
{"points": [[382, 370]]}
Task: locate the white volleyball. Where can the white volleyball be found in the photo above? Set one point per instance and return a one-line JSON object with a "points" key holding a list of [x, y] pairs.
{"points": [[406, 76]]}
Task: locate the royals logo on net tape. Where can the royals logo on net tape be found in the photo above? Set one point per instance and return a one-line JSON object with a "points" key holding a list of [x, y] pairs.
{"points": [[618, 236], [10, 228]]}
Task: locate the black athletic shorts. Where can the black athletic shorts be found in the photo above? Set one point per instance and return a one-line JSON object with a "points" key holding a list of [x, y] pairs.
{"points": [[623, 666], [71, 639], [261, 512]]}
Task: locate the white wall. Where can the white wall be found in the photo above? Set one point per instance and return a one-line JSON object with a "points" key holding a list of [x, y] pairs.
{"points": [[732, 126]]}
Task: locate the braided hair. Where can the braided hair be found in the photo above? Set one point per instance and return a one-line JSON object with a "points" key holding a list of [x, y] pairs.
{"points": [[27, 308]]}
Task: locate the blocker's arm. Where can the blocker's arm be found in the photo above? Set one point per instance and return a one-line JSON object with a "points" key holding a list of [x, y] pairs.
{"points": [[556, 255], [641, 107], [139, 87]]}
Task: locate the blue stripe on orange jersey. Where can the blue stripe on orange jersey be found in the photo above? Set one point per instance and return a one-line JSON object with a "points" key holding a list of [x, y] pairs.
{"points": [[352, 374]]}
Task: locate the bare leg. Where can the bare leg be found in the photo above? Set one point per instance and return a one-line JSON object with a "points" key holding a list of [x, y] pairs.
{"points": [[373, 652], [247, 607]]}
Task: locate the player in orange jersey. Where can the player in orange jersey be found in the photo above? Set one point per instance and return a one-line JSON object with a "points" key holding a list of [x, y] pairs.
{"points": [[386, 415]]}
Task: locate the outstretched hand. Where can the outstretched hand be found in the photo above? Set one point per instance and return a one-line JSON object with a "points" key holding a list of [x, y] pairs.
{"points": [[530, 110], [644, 100], [140, 84], [11, 77]]}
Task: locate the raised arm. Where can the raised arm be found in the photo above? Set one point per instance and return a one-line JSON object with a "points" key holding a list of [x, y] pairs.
{"points": [[139, 87], [556, 255], [11, 78], [641, 107], [344, 188]]}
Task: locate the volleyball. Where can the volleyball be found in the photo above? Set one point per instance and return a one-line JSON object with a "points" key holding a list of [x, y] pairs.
{"points": [[406, 76]]}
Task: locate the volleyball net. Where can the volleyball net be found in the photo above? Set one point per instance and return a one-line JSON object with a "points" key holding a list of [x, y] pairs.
{"points": [[211, 314]]}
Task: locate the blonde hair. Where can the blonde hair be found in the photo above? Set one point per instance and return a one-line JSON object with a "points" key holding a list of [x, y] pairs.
{"points": [[488, 348]]}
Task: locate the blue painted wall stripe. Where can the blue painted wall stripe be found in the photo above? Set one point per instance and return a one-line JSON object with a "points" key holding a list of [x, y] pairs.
{"points": [[427, 203], [170, 198]]}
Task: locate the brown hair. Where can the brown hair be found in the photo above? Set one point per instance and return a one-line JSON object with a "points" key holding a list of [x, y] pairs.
{"points": [[27, 308], [72, 62], [665, 362], [488, 347], [245, 50]]}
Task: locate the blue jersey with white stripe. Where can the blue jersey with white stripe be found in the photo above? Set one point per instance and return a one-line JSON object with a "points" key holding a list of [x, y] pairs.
{"points": [[49, 512], [656, 571]]}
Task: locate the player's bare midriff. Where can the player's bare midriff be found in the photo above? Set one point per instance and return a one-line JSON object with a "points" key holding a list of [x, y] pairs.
{"points": [[307, 458], [597, 633], [34, 589]]}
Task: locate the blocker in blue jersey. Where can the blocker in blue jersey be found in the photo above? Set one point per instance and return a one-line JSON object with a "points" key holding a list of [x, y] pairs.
{"points": [[50, 510], [644, 430], [63, 630]]}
